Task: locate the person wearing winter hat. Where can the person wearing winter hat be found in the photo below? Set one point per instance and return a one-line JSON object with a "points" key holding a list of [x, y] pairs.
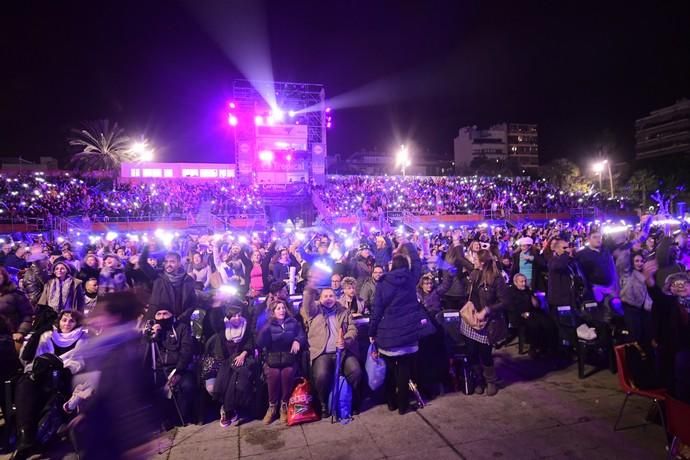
{"points": [[173, 344], [63, 291]]}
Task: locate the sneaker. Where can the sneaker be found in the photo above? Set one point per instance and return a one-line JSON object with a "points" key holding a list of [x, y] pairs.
{"points": [[236, 420], [224, 421]]}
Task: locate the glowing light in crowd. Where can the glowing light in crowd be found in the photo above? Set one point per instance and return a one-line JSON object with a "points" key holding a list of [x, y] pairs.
{"points": [[266, 156], [110, 236], [242, 239], [232, 120], [615, 229], [228, 290], [336, 254]]}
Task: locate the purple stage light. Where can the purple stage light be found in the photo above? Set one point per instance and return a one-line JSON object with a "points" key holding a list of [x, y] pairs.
{"points": [[328, 110], [259, 120], [232, 120], [232, 105]]}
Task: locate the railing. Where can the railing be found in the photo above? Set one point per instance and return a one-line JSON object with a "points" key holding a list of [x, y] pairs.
{"points": [[23, 224]]}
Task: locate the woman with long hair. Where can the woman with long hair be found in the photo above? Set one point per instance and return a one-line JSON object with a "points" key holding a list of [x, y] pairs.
{"points": [[488, 290], [281, 339], [63, 291]]}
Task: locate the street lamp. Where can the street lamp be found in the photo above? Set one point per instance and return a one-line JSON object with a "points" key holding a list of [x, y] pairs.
{"points": [[402, 159], [599, 169]]}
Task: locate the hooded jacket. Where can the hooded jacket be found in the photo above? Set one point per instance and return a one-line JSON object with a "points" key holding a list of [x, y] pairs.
{"points": [[396, 315]]}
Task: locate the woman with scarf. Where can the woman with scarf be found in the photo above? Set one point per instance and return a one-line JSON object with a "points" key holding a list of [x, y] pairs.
{"points": [[233, 347], [63, 291], [488, 290], [282, 338], [60, 348]]}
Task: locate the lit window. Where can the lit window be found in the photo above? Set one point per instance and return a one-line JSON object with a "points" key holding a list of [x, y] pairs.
{"points": [[152, 172], [167, 172], [135, 172], [190, 173]]}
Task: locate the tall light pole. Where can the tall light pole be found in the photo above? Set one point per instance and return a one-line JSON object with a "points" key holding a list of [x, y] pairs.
{"points": [[599, 169], [402, 159]]}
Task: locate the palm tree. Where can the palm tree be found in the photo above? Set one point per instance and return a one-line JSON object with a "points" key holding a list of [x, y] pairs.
{"points": [[104, 147], [643, 181]]}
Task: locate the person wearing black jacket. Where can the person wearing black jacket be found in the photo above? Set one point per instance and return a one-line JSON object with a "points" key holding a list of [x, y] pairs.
{"points": [[488, 298], [523, 306], [281, 339], [559, 290], [173, 289], [395, 324], [598, 268], [170, 343]]}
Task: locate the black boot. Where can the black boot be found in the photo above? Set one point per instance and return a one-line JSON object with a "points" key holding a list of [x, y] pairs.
{"points": [[478, 380], [490, 377], [25, 442]]}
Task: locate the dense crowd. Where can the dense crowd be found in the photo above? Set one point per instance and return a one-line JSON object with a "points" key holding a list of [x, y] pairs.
{"points": [[38, 195], [219, 316], [346, 195]]}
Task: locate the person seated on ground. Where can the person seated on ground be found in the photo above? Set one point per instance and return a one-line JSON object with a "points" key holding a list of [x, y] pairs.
{"points": [[15, 307], [281, 339], [349, 298], [63, 291], [170, 342], [58, 350], [233, 348], [523, 309], [330, 327]]}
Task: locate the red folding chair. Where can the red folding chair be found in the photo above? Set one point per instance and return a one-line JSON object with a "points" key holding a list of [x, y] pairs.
{"points": [[656, 395], [677, 422]]}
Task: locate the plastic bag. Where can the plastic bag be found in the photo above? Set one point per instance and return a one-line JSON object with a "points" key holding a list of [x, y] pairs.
{"points": [[301, 406], [341, 408], [376, 369]]}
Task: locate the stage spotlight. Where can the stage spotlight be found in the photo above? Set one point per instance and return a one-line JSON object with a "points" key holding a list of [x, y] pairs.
{"points": [[266, 156], [232, 120], [328, 110], [278, 114], [259, 120], [232, 105], [288, 157], [292, 114]]}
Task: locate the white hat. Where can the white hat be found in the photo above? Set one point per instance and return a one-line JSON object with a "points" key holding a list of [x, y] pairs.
{"points": [[525, 240]]}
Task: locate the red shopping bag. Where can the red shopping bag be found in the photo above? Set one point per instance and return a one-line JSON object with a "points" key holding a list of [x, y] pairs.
{"points": [[301, 406]]}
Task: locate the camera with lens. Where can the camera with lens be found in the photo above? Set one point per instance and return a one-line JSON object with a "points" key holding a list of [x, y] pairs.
{"points": [[148, 328]]}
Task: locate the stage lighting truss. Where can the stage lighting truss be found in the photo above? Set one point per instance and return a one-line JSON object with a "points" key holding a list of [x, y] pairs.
{"points": [[300, 103]]}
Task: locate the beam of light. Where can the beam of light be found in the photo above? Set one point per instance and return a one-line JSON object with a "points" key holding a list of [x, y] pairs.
{"points": [[239, 29]]}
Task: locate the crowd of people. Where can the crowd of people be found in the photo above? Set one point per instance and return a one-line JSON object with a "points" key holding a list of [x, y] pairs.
{"points": [[227, 317], [38, 195], [67, 195], [346, 195]]}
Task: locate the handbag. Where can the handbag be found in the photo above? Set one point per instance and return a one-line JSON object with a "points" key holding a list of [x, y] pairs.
{"points": [[280, 359], [469, 314], [209, 367]]}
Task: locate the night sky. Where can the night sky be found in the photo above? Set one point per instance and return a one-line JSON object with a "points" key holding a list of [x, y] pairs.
{"points": [[583, 71]]}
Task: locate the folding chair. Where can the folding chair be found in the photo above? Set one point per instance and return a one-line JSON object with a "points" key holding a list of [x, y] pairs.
{"points": [[677, 422]]}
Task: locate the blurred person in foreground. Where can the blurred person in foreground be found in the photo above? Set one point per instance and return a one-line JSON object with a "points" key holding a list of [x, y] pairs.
{"points": [[120, 419]]}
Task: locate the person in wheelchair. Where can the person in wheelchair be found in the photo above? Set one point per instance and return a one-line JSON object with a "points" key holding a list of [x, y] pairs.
{"points": [[170, 350], [48, 376], [281, 338]]}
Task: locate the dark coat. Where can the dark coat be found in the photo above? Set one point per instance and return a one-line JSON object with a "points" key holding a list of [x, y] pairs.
{"points": [[163, 295], [560, 287], [176, 347], [276, 337], [538, 267], [396, 315], [15, 306]]}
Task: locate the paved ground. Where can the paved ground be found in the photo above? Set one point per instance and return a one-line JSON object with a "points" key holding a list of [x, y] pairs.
{"points": [[535, 416], [538, 414]]}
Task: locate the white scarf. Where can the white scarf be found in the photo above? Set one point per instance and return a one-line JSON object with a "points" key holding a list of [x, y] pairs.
{"points": [[235, 333]]}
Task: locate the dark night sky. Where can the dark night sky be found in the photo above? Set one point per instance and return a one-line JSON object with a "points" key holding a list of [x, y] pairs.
{"points": [[581, 70]]}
